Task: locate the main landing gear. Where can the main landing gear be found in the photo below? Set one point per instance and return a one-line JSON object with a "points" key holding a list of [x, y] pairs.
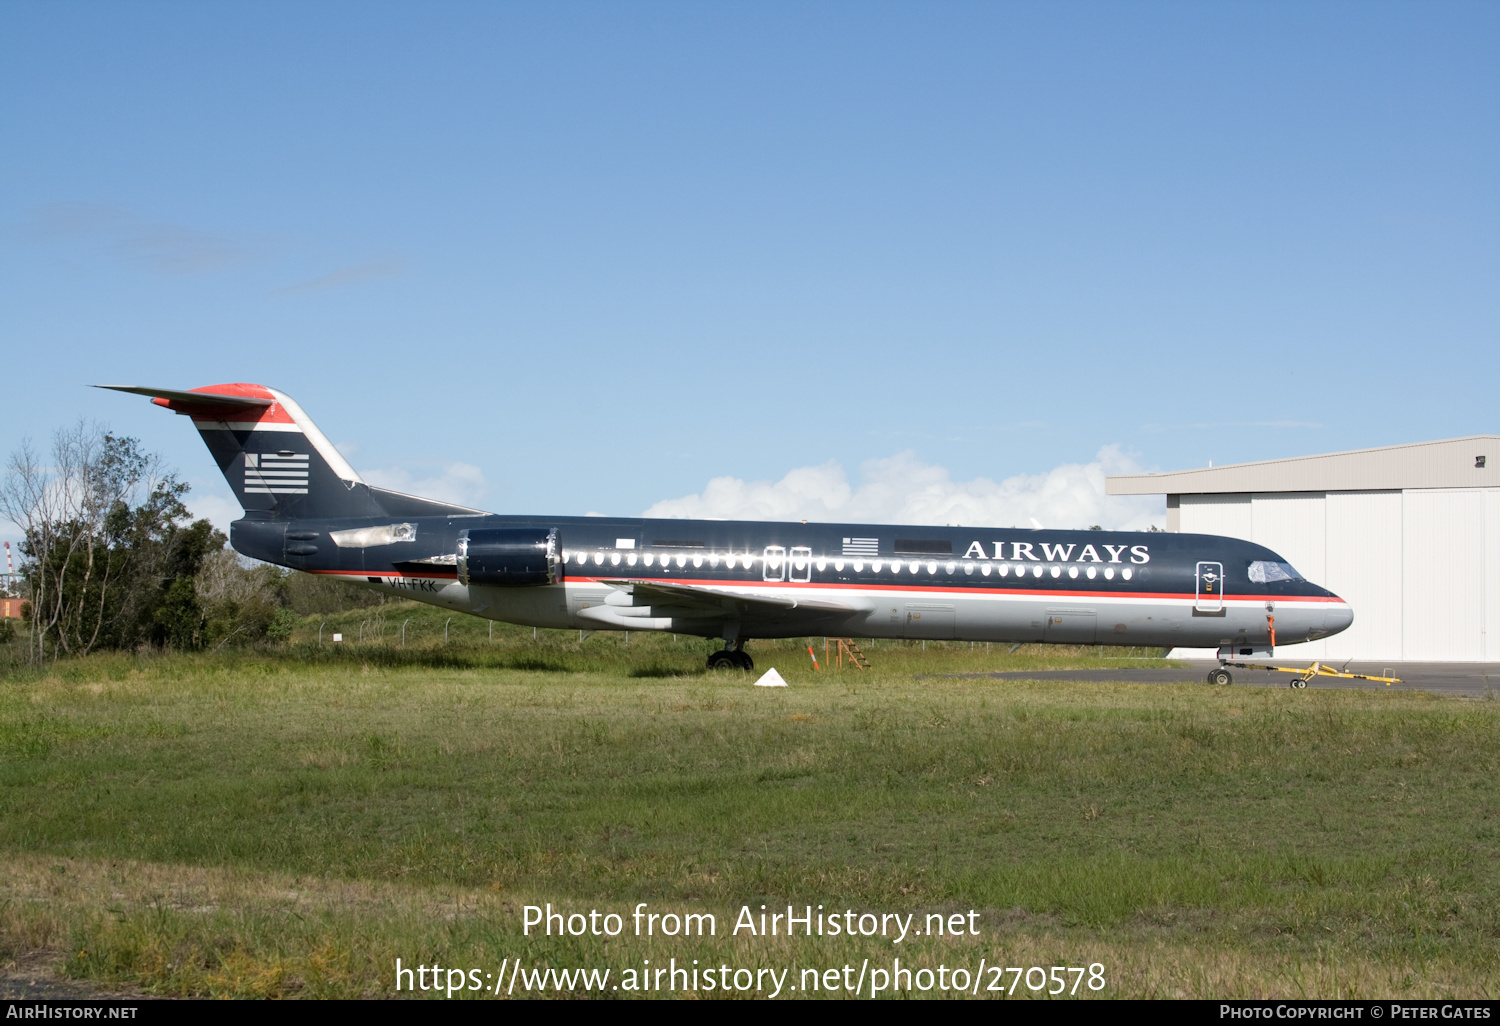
{"points": [[1220, 676], [731, 659]]}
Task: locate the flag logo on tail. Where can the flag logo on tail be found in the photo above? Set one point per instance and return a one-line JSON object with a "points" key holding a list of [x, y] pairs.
{"points": [[276, 473]]}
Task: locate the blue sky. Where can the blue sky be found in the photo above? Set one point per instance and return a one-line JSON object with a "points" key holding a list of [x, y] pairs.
{"points": [[565, 258]]}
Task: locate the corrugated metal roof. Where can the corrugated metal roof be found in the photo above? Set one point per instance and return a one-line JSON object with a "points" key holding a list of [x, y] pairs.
{"points": [[1445, 464]]}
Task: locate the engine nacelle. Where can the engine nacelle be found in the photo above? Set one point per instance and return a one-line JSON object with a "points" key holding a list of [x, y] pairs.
{"points": [[509, 557]]}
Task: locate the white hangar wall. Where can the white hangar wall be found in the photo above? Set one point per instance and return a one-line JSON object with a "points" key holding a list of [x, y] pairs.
{"points": [[1408, 534], [1420, 567]]}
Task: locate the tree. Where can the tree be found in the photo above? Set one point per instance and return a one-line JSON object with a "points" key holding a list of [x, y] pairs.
{"points": [[111, 559], [63, 510], [104, 544]]}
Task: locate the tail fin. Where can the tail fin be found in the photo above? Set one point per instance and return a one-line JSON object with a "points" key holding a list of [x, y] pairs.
{"points": [[275, 458]]}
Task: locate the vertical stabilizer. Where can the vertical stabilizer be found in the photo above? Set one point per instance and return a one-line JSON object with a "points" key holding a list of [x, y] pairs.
{"points": [[274, 457]]}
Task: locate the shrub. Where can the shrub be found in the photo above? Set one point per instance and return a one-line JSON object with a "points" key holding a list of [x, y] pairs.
{"points": [[280, 628]]}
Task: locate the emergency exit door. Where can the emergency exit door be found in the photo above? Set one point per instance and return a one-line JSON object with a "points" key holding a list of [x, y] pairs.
{"points": [[801, 564]]}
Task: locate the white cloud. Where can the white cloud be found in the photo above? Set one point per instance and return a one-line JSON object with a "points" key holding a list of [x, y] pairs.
{"points": [[462, 483], [903, 490]]}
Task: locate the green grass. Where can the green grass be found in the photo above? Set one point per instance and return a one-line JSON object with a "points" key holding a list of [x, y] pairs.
{"points": [[290, 823]]}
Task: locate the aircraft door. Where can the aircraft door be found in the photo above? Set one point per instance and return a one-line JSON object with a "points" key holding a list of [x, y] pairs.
{"points": [[801, 570], [929, 620], [1210, 598], [1071, 627], [775, 563]]}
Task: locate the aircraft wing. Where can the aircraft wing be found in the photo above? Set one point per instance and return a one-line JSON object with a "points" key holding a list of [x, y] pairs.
{"points": [[718, 601]]}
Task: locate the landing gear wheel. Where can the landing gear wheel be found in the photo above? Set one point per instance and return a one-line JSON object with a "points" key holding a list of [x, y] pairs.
{"points": [[1220, 676], [730, 659]]}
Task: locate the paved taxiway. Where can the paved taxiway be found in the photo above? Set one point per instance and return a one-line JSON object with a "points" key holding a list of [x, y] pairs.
{"points": [[1469, 680]]}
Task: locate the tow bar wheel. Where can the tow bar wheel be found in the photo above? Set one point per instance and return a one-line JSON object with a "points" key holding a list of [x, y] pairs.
{"points": [[1220, 676], [1298, 682]]}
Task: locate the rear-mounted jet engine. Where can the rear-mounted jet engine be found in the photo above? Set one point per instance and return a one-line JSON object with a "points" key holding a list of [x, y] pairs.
{"points": [[508, 557]]}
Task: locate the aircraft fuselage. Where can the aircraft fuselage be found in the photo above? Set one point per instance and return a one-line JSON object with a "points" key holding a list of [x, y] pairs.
{"points": [[949, 583]]}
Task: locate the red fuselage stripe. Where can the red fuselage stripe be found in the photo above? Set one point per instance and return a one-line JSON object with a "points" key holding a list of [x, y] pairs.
{"points": [[940, 589]]}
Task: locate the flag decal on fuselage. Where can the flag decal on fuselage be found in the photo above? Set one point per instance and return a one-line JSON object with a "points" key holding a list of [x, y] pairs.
{"points": [[861, 546], [275, 473]]}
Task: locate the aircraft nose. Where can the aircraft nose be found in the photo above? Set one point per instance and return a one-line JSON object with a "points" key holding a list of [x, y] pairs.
{"points": [[1337, 617]]}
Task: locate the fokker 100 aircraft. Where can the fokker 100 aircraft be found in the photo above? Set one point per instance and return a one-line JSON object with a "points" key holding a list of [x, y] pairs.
{"points": [[306, 508]]}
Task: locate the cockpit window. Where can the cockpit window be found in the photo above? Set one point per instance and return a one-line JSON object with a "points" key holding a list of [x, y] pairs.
{"points": [[1266, 571]]}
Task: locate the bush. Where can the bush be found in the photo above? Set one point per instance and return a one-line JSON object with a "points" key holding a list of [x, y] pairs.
{"points": [[239, 599], [321, 594], [280, 627]]}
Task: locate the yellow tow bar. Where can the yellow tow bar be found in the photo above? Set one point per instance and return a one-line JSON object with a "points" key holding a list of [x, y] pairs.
{"points": [[1304, 674]]}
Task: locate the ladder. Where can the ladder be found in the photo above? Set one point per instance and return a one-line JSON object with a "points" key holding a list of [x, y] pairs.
{"points": [[846, 648]]}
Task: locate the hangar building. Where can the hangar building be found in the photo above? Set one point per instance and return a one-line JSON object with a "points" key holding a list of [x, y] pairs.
{"points": [[1409, 535]]}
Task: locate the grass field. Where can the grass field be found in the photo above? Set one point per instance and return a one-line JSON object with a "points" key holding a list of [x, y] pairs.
{"points": [[290, 823]]}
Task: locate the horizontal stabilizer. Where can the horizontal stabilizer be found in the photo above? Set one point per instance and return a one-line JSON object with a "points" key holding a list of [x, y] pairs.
{"points": [[195, 398]]}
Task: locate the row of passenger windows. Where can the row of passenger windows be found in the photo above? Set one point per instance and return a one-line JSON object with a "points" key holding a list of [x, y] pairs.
{"points": [[896, 566]]}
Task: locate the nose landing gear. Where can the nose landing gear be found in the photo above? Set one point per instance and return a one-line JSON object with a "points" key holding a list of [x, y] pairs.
{"points": [[1220, 676]]}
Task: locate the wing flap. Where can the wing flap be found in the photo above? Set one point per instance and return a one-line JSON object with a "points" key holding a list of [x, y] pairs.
{"points": [[727, 601]]}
